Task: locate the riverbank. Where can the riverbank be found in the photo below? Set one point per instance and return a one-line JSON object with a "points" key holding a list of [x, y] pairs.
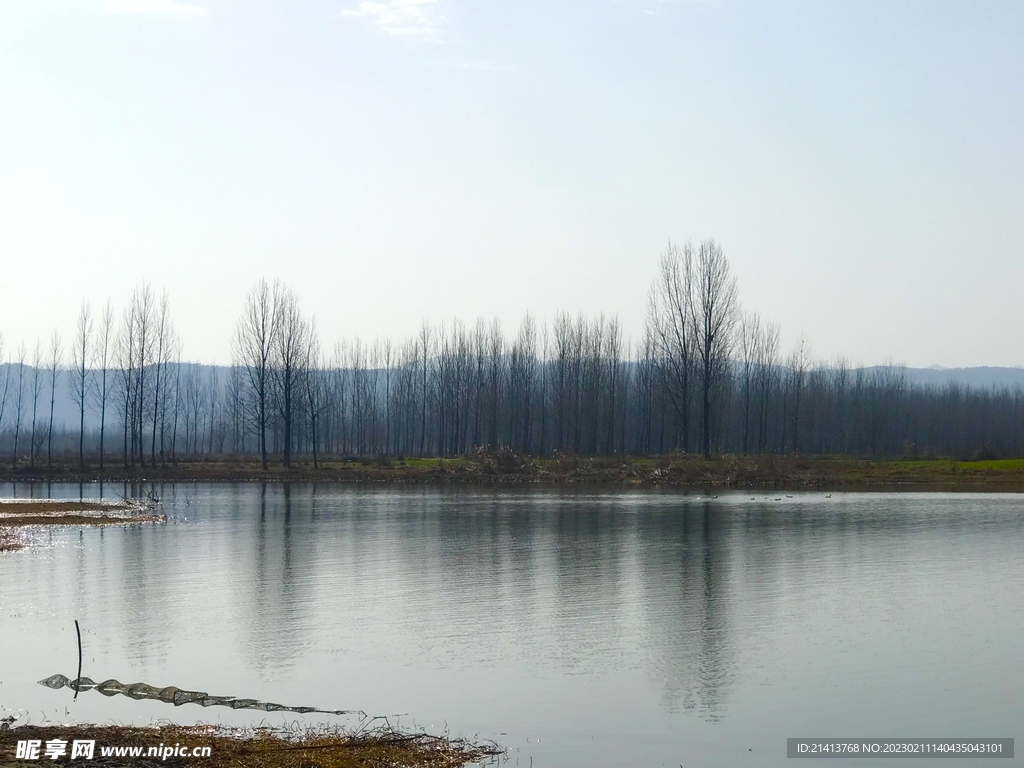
{"points": [[509, 469], [17, 515], [249, 748]]}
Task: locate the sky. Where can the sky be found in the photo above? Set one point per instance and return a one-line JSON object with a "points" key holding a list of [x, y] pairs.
{"points": [[860, 163]]}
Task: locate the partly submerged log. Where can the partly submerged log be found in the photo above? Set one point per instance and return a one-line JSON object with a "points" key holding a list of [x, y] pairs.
{"points": [[176, 696]]}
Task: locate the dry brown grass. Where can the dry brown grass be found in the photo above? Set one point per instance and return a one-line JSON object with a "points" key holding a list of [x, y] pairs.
{"points": [[265, 747], [75, 519], [505, 468], [61, 506], [8, 541]]}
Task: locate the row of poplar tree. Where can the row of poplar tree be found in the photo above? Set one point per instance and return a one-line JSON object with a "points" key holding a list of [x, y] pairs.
{"points": [[705, 378]]}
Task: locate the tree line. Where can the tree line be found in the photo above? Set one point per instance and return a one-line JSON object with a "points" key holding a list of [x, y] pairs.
{"points": [[704, 378]]}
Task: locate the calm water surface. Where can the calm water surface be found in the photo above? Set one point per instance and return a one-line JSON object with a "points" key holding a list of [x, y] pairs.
{"points": [[577, 629]]}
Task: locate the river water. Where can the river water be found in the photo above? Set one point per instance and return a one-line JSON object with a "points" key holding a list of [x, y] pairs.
{"points": [[574, 628]]}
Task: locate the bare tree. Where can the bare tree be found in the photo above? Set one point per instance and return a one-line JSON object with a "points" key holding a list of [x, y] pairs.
{"points": [[671, 326], [313, 379], [840, 388], [714, 314], [750, 341], [562, 378], [56, 356], [143, 307], [544, 400], [290, 350], [124, 355], [613, 356], [19, 403], [236, 403], [103, 353], [8, 368], [169, 394], [163, 354], [178, 404], [37, 386], [339, 387], [81, 352], [388, 357], [526, 375], [799, 363], [213, 407], [424, 361], [134, 361], [253, 347], [495, 378], [767, 377], [195, 408]]}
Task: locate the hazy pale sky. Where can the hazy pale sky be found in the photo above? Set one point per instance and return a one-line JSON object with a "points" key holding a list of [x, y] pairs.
{"points": [[862, 164]]}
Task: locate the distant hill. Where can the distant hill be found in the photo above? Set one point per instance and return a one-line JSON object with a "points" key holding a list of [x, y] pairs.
{"points": [[65, 409], [984, 376]]}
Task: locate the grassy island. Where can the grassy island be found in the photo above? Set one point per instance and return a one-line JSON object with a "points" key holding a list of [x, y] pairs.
{"points": [[16, 515]]}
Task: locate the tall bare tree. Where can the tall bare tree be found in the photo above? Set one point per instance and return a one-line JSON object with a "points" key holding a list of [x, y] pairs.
{"points": [[195, 408], [212, 408], [236, 405], [543, 398], [525, 351], [388, 357], [315, 386], [163, 348], [177, 403], [840, 388], [714, 312], [104, 352], [671, 323], [5, 391], [425, 338], [134, 359], [53, 366], [37, 388], [81, 354], [19, 403], [799, 364], [767, 378], [253, 346], [289, 352], [143, 313], [124, 355], [613, 356], [750, 342]]}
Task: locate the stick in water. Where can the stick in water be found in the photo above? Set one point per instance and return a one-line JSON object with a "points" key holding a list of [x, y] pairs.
{"points": [[78, 631]]}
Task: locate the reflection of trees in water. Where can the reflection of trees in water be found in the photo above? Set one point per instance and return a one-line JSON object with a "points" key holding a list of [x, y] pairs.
{"points": [[148, 569], [276, 595], [479, 579], [537, 579], [588, 570], [144, 595], [462, 579], [473, 579], [158, 576], [684, 573]]}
